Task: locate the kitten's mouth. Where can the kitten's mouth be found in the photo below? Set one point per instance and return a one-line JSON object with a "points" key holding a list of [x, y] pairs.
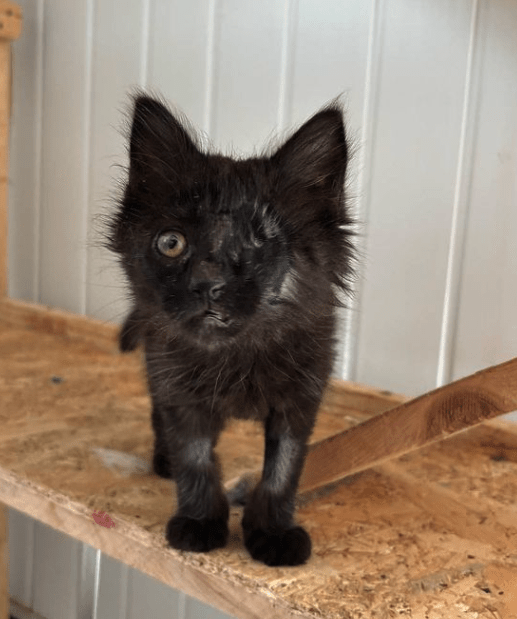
{"points": [[215, 317]]}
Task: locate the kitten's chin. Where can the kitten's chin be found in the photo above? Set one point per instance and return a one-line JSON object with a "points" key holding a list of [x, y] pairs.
{"points": [[212, 329]]}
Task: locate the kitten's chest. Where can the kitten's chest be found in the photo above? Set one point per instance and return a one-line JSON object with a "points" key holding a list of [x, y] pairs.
{"points": [[232, 387], [238, 390]]}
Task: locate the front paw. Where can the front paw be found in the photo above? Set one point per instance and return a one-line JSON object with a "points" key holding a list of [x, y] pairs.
{"points": [[284, 547], [203, 535]]}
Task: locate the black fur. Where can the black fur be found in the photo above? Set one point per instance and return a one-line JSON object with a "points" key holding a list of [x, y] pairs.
{"points": [[241, 322]]}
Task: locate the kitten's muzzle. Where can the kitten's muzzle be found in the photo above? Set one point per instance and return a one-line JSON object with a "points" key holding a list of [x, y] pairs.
{"points": [[207, 289], [218, 318]]}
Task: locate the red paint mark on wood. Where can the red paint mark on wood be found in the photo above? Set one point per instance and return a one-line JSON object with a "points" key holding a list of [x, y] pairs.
{"points": [[103, 519]]}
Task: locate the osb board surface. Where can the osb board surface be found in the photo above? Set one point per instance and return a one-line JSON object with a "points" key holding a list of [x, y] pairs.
{"points": [[432, 535]]}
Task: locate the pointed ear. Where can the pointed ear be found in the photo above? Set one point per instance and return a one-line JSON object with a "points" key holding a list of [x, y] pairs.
{"points": [[315, 157], [160, 145]]}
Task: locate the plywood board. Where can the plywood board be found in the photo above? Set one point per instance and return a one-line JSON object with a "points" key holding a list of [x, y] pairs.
{"points": [[432, 531]]}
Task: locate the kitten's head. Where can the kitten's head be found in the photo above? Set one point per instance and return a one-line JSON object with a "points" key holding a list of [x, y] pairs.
{"points": [[219, 247]]}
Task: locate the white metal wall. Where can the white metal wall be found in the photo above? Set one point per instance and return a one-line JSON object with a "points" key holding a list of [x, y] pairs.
{"points": [[431, 93]]}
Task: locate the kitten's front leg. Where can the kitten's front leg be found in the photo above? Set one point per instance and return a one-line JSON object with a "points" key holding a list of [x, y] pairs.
{"points": [[270, 534], [201, 521]]}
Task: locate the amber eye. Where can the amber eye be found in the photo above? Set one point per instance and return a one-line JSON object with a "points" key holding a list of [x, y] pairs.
{"points": [[171, 244]]}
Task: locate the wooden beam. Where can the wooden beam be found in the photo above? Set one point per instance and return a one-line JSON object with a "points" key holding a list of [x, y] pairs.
{"points": [[10, 27], [412, 425], [59, 322], [232, 593], [10, 20]]}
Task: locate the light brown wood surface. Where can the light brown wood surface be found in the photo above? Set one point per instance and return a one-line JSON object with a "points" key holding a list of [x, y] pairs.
{"points": [[59, 323], [412, 425], [433, 530], [10, 20], [4, 94]]}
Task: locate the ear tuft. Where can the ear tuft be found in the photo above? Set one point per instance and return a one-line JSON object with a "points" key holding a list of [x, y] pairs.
{"points": [[161, 143], [316, 156]]}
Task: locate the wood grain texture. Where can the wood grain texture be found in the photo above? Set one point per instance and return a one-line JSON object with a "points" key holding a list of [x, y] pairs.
{"points": [[59, 322], [131, 545], [373, 535], [412, 425], [10, 20], [10, 28]]}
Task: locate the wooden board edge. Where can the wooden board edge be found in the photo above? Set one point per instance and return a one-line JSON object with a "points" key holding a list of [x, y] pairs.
{"points": [[59, 322], [361, 397], [502, 424], [10, 20], [426, 419], [133, 546]]}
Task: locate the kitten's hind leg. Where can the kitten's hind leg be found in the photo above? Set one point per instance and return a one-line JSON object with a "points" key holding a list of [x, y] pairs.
{"points": [[130, 332], [162, 464], [270, 534]]}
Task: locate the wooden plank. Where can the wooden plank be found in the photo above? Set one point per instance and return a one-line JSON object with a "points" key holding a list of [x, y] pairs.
{"points": [[10, 20], [10, 27], [59, 323], [412, 425], [372, 536], [136, 547], [361, 398]]}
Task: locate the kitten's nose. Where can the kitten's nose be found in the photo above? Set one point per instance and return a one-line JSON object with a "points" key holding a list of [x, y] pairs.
{"points": [[211, 290], [206, 280]]}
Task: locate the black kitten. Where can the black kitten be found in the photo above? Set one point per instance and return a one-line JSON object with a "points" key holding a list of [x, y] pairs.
{"points": [[235, 269]]}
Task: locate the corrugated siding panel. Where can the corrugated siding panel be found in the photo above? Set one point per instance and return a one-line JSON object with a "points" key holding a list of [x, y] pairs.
{"points": [[116, 66], [180, 51], [56, 584], [148, 597], [65, 147], [247, 73], [329, 56], [21, 552], [24, 189], [487, 328], [415, 149], [113, 584]]}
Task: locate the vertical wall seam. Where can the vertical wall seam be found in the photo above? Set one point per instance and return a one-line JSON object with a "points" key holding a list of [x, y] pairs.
{"points": [[182, 605], [350, 344], [87, 141], [96, 584], [38, 146], [460, 208], [285, 94], [28, 585], [144, 54], [87, 579], [211, 36], [125, 574]]}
